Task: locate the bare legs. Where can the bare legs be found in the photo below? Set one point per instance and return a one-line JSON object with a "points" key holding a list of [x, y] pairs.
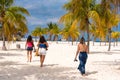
{"points": [[42, 57], [29, 56]]}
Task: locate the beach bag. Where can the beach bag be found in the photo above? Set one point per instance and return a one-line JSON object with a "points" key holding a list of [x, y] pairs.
{"points": [[37, 52], [34, 50]]}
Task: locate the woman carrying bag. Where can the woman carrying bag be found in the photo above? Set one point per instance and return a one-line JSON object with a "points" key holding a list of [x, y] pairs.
{"points": [[42, 47]]}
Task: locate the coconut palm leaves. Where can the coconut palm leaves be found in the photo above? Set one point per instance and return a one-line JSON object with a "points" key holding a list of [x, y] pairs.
{"points": [[81, 11], [87, 14], [115, 36], [53, 28], [12, 19], [56, 30], [108, 18], [70, 31], [38, 31]]}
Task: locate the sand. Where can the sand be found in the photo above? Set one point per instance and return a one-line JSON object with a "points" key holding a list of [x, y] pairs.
{"points": [[59, 64]]}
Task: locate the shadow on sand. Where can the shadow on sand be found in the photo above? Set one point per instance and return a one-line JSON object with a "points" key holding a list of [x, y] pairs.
{"points": [[10, 54], [116, 62], [16, 71], [105, 52], [90, 73]]}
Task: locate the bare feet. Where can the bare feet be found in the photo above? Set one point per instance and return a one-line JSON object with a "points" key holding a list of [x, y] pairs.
{"points": [[84, 75], [41, 65]]}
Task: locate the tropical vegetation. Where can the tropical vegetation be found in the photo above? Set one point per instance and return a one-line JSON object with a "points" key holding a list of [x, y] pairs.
{"points": [[12, 20], [88, 14], [82, 17]]}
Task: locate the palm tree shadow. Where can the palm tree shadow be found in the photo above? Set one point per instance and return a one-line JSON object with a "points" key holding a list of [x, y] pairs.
{"points": [[105, 52], [118, 68], [89, 73], [116, 50], [1, 57], [9, 54], [21, 49], [50, 65], [9, 63], [14, 71]]}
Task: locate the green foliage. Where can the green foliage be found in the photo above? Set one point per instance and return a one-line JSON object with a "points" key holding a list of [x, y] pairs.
{"points": [[12, 19]]}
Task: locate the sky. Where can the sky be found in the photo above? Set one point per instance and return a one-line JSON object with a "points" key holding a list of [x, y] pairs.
{"points": [[42, 12]]}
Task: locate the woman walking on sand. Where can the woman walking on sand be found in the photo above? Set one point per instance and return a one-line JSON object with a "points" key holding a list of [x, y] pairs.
{"points": [[29, 46], [82, 50], [42, 46]]}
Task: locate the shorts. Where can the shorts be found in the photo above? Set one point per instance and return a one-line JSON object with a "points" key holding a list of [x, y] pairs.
{"points": [[29, 48], [42, 51]]}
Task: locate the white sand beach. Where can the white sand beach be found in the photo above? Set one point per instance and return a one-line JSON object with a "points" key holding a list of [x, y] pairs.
{"points": [[59, 64]]}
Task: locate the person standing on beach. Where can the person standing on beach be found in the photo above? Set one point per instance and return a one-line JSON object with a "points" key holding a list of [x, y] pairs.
{"points": [[82, 50], [29, 46], [42, 46]]}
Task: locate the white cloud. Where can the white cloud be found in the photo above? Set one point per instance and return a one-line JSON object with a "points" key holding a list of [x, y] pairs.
{"points": [[34, 21], [52, 20], [30, 4], [42, 11], [38, 21]]}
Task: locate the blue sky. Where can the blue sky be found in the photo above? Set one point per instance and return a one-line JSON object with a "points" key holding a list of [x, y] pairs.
{"points": [[42, 11]]}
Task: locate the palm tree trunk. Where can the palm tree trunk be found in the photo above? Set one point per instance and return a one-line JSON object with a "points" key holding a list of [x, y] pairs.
{"points": [[116, 42], [88, 36], [54, 38], [109, 31], [35, 38], [100, 43], [93, 41], [109, 44], [4, 47], [3, 36], [105, 42], [50, 37], [72, 41]]}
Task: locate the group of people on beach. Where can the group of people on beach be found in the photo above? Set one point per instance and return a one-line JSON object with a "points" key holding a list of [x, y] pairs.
{"points": [[42, 45]]}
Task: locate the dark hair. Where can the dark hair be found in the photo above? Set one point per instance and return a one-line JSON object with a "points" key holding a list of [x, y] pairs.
{"points": [[42, 39], [82, 40], [29, 39]]}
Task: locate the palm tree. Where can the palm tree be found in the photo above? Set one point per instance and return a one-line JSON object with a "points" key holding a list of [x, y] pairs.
{"points": [[115, 36], [117, 5], [56, 30], [74, 33], [53, 31], [108, 17], [50, 32], [70, 32], [38, 31], [12, 19], [82, 10]]}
